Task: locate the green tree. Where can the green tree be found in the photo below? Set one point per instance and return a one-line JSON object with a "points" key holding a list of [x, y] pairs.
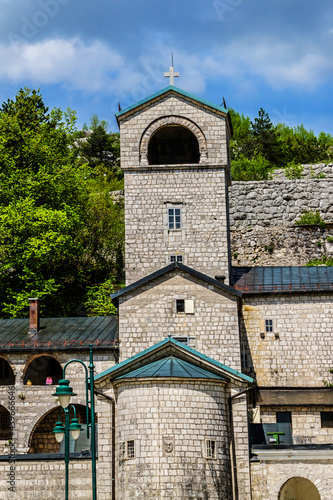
{"points": [[250, 169], [264, 138], [98, 300], [55, 233]]}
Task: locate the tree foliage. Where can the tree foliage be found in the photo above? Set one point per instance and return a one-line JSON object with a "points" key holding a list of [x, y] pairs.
{"points": [[280, 145], [57, 236]]}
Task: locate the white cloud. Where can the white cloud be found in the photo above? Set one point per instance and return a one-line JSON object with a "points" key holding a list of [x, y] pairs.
{"points": [[280, 64], [68, 62]]}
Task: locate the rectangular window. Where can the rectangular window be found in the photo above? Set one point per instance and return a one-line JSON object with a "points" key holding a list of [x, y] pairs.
{"points": [[180, 306], [283, 417], [126, 450], [176, 258], [174, 219], [268, 325], [210, 449], [130, 449], [185, 306], [326, 419]]}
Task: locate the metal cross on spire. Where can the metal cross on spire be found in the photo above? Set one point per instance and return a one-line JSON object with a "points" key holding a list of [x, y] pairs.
{"points": [[171, 73]]}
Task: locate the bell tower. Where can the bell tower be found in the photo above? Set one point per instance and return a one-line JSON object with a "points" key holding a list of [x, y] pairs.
{"points": [[176, 163]]}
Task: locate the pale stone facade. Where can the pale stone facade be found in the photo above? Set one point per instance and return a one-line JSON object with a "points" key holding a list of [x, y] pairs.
{"points": [[148, 315], [183, 415], [200, 190], [299, 351]]}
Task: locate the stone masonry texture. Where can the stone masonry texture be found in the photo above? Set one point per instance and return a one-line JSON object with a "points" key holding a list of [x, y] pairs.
{"points": [[299, 351], [148, 315], [199, 190], [185, 414]]}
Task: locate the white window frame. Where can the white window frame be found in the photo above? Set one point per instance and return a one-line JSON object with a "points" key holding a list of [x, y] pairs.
{"points": [[176, 258], [210, 451], [269, 327], [125, 448], [189, 341], [173, 223]]}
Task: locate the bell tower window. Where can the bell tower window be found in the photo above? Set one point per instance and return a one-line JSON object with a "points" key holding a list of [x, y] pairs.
{"points": [[172, 145]]}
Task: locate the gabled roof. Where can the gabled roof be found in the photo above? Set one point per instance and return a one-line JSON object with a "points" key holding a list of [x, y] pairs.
{"points": [[283, 279], [59, 333], [167, 269], [171, 366], [164, 349], [171, 89]]}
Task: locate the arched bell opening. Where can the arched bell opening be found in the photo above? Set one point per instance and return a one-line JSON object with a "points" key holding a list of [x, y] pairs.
{"points": [[6, 373], [299, 488], [173, 145], [43, 370]]}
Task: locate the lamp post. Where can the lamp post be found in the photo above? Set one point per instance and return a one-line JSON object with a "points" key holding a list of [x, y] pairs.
{"points": [[64, 393], [60, 431]]}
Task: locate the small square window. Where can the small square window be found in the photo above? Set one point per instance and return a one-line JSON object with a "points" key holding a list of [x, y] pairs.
{"points": [[268, 325], [326, 419], [176, 258], [174, 219], [210, 449], [126, 450]]}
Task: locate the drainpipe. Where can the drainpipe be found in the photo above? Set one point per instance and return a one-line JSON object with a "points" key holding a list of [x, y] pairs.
{"points": [[113, 439], [233, 447]]}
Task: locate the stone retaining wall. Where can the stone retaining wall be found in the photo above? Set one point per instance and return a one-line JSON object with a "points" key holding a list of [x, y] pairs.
{"points": [[262, 216]]}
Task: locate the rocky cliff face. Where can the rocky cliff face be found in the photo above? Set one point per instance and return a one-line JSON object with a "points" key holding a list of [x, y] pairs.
{"points": [[263, 215]]}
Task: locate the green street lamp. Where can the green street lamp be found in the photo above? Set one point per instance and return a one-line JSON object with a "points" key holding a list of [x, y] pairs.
{"points": [[64, 393], [60, 431]]}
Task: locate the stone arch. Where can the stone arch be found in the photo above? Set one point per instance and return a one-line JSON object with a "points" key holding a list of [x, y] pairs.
{"points": [[41, 366], [172, 121], [7, 376], [299, 488], [39, 417], [5, 427]]}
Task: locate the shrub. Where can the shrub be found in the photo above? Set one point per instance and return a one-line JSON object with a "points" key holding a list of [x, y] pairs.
{"points": [[294, 171], [311, 218]]}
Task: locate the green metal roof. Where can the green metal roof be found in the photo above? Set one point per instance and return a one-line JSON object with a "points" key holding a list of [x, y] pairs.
{"points": [[169, 342], [59, 333], [171, 88], [283, 279], [171, 366]]}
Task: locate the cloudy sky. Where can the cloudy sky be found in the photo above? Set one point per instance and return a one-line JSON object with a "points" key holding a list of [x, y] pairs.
{"points": [[88, 55]]}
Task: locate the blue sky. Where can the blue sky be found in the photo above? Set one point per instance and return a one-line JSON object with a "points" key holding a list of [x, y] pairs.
{"points": [[275, 54]]}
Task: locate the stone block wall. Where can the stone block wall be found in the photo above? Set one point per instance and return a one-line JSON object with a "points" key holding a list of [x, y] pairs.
{"points": [[169, 423], [262, 216], [306, 423], [148, 315], [200, 190], [302, 354], [203, 122], [268, 477], [203, 237], [41, 480], [279, 202]]}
